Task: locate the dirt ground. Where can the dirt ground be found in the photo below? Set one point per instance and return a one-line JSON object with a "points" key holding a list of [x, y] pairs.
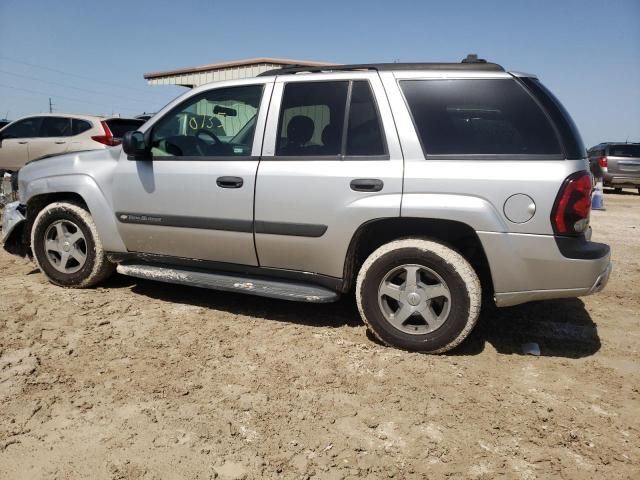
{"points": [[142, 380]]}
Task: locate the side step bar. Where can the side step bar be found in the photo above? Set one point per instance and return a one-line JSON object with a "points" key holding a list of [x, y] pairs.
{"points": [[286, 290]]}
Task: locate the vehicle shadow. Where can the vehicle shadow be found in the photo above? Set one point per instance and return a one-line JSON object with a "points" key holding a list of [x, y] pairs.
{"points": [[561, 328]]}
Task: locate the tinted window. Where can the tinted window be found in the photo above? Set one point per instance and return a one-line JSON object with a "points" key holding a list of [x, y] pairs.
{"points": [[364, 136], [624, 150], [78, 126], [119, 126], [312, 118], [487, 117], [218, 122], [571, 139], [27, 128], [55, 127]]}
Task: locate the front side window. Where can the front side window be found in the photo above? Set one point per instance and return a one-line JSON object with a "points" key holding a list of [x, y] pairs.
{"points": [[27, 128], [313, 115], [55, 127], [481, 117], [216, 123]]}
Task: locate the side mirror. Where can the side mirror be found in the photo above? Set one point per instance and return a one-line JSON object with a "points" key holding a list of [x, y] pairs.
{"points": [[135, 146]]}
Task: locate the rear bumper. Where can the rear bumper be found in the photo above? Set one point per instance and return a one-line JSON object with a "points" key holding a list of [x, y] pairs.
{"points": [[533, 267], [614, 180]]}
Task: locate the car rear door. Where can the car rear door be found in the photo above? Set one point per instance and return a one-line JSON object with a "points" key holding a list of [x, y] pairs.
{"points": [[331, 162], [52, 139], [192, 196]]}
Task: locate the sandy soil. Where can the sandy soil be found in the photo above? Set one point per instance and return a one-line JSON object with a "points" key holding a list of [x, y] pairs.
{"points": [[141, 380]]}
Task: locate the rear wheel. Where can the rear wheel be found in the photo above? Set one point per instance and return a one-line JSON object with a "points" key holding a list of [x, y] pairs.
{"points": [[66, 246], [418, 295], [617, 190]]}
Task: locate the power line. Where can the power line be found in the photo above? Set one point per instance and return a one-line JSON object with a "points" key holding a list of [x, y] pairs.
{"points": [[75, 75], [146, 102], [58, 96]]}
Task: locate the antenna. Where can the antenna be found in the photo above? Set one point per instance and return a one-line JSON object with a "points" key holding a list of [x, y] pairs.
{"points": [[50, 106]]}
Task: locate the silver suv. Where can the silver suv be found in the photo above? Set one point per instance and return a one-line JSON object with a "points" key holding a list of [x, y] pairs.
{"points": [[423, 188]]}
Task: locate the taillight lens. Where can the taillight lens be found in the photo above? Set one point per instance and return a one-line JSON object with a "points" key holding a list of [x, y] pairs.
{"points": [[603, 162], [570, 214], [107, 138]]}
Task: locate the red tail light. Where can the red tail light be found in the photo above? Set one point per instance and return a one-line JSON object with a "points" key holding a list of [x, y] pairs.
{"points": [[107, 138], [570, 214], [603, 162]]}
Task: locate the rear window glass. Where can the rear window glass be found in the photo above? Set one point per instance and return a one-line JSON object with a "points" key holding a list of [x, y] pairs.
{"points": [[120, 126], [624, 150], [478, 117]]}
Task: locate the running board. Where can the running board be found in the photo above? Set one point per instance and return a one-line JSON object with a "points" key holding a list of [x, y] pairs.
{"points": [[286, 290]]}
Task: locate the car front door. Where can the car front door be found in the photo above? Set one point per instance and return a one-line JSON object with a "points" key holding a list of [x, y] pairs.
{"points": [[331, 163], [192, 197], [14, 144], [52, 138]]}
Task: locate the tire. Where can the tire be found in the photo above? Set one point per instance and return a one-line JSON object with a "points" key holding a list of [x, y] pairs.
{"points": [[617, 190], [447, 292], [67, 231]]}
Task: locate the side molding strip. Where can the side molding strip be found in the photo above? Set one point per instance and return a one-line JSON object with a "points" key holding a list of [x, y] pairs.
{"points": [[231, 225]]}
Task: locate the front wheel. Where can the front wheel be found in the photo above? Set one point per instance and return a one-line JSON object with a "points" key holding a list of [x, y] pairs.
{"points": [[418, 295], [66, 246]]}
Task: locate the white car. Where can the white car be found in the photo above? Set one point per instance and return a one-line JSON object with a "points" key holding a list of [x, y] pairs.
{"points": [[36, 136]]}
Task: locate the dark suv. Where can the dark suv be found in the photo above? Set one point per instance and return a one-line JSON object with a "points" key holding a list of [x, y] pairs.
{"points": [[619, 164]]}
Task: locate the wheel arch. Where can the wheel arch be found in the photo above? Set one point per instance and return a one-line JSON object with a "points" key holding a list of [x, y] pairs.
{"points": [[81, 190], [457, 235]]}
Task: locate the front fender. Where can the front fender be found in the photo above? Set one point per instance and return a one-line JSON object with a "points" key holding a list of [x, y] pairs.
{"points": [[87, 188]]}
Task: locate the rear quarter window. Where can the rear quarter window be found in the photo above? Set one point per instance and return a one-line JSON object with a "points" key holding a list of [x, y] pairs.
{"points": [[624, 150], [488, 117]]}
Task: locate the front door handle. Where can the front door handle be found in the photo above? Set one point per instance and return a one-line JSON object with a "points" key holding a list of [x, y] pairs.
{"points": [[60, 142], [229, 182], [22, 143], [366, 185]]}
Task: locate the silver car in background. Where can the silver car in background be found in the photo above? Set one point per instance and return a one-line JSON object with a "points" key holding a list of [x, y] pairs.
{"points": [[619, 164]]}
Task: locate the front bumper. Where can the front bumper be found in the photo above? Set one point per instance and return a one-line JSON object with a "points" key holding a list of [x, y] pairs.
{"points": [[12, 217], [526, 267]]}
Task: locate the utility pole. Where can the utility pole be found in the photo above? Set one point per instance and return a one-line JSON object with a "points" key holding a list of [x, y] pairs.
{"points": [[50, 106]]}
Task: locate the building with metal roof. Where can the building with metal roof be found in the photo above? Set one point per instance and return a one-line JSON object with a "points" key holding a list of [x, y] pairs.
{"points": [[199, 75]]}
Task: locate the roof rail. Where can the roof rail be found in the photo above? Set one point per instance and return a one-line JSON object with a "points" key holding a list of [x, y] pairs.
{"points": [[471, 62]]}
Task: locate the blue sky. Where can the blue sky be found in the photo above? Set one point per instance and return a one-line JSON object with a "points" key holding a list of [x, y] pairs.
{"points": [[90, 56]]}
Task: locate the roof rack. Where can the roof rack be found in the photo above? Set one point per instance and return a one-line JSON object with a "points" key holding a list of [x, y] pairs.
{"points": [[471, 62]]}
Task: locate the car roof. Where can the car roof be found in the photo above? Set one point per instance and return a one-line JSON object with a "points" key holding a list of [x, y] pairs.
{"points": [[473, 64], [76, 115]]}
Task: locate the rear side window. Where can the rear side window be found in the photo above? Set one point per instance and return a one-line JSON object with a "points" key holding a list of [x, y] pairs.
{"points": [[624, 150], [119, 126], [312, 118], [78, 126], [313, 115], [479, 117], [55, 127], [364, 136]]}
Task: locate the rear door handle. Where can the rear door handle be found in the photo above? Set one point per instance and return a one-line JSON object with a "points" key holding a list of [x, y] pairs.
{"points": [[229, 182], [22, 143], [366, 185], [60, 142]]}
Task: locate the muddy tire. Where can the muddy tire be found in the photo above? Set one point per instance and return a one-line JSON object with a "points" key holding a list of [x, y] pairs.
{"points": [[418, 295], [66, 246]]}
